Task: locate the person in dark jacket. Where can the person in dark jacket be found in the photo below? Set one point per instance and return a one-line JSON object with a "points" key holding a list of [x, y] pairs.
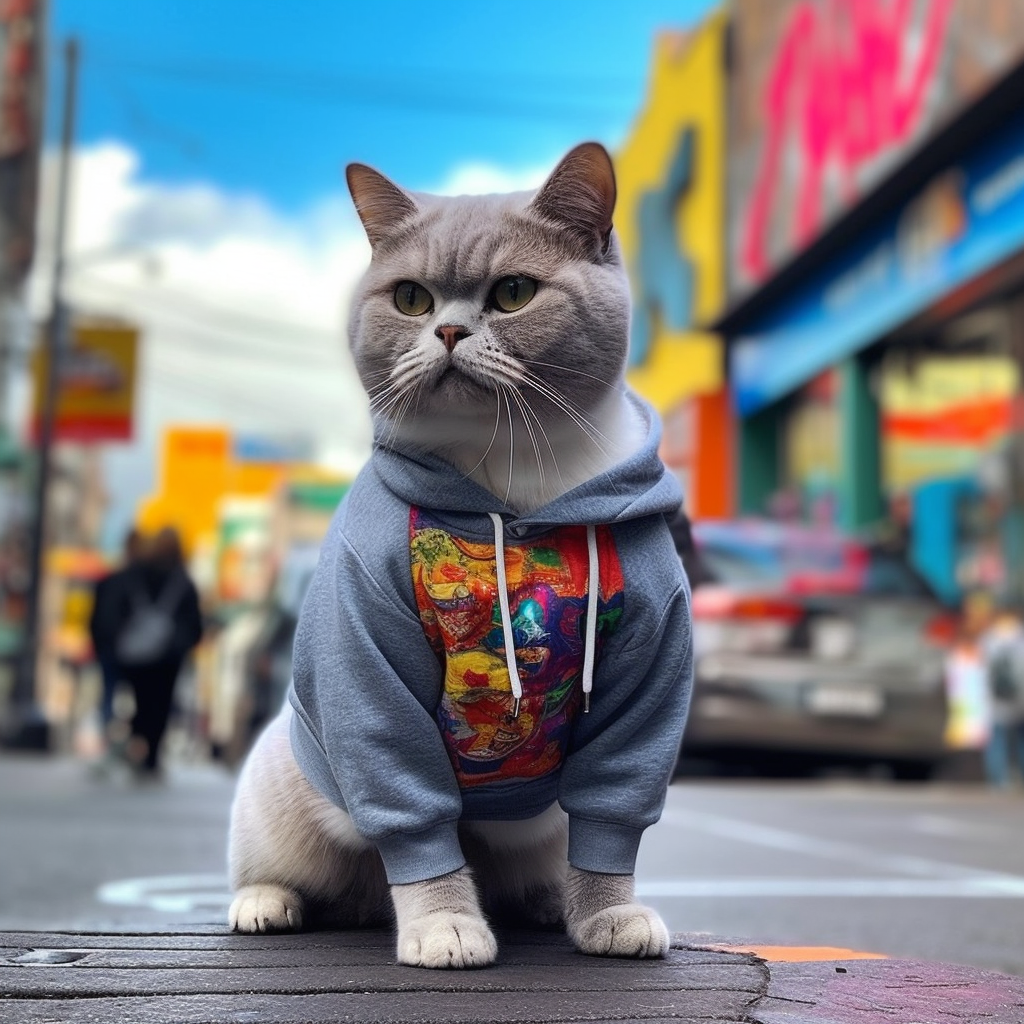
{"points": [[156, 587], [103, 626]]}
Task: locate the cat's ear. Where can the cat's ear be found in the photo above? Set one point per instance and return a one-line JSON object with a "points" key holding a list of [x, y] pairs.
{"points": [[380, 203], [580, 193]]}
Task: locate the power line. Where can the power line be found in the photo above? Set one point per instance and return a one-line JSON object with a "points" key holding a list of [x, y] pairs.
{"points": [[504, 101], [206, 390], [211, 317], [228, 404]]}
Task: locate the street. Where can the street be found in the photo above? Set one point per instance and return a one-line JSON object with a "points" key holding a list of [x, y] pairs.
{"points": [[934, 871]]}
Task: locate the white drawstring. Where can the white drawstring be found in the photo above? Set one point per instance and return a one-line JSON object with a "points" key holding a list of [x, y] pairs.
{"points": [[590, 642], [506, 613]]}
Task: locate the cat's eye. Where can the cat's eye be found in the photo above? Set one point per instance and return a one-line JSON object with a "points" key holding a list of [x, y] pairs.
{"points": [[413, 299], [512, 293]]}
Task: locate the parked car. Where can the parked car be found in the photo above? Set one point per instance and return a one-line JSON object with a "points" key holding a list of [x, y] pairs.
{"points": [[811, 643]]}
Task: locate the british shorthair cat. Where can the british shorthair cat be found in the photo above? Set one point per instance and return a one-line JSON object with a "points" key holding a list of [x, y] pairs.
{"points": [[492, 665]]}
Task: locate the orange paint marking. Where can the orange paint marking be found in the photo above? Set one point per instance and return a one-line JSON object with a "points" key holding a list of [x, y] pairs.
{"points": [[801, 954]]}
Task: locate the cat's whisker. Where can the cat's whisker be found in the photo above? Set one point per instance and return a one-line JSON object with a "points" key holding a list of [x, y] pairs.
{"points": [[577, 417], [407, 399], [569, 405], [493, 369], [571, 369], [518, 399], [494, 434], [387, 398], [395, 410], [394, 388], [511, 448], [508, 365], [377, 374], [547, 441]]}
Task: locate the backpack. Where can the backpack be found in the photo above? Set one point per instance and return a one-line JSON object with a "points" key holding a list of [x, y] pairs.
{"points": [[148, 634], [1004, 675]]}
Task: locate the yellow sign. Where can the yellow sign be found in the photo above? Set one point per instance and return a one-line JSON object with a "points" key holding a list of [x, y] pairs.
{"points": [[195, 470], [671, 217], [96, 383], [199, 469], [945, 416]]}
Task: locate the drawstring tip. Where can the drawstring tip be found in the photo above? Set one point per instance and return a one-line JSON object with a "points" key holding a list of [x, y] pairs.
{"points": [[586, 702], [515, 707]]}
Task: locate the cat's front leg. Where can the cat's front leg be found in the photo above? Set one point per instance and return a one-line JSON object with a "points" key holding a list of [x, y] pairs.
{"points": [[440, 923], [604, 919]]}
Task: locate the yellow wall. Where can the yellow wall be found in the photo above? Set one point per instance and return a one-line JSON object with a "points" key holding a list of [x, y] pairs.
{"points": [[687, 89]]}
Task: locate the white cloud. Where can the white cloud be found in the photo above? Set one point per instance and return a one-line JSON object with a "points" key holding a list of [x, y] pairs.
{"points": [[475, 179], [242, 308]]}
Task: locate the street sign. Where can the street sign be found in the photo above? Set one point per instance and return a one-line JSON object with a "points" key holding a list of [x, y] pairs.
{"points": [[96, 384]]}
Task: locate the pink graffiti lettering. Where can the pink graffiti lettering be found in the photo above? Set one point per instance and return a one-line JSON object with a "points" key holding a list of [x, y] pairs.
{"points": [[846, 87]]}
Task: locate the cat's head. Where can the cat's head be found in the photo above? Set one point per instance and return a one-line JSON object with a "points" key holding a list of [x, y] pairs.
{"points": [[479, 304]]}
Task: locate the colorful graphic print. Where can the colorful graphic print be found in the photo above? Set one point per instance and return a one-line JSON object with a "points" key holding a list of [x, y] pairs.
{"points": [[456, 587]]}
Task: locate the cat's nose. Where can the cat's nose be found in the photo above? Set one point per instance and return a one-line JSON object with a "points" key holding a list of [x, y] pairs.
{"points": [[452, 334]]}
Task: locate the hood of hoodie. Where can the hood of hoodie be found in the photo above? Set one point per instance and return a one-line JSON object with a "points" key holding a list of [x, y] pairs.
{"points": [[638, 486]]}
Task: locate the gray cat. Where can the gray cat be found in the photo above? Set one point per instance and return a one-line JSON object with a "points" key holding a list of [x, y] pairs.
{"points": [[492, 666]]}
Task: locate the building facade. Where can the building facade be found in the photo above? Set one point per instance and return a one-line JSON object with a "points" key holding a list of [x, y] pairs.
{"points": [[875, 275]]}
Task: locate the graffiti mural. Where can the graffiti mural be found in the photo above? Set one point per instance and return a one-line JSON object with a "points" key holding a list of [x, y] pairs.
{"points": [[664, 272]]}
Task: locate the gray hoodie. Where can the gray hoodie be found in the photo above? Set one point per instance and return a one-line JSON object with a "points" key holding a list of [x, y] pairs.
{"points": [[457, 661]]}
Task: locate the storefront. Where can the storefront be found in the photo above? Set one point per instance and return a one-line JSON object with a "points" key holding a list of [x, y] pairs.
{"points": [[876, 267]]}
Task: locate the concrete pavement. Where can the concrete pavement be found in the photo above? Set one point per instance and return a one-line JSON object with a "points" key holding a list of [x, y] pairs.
{"points": [[203, 975]]}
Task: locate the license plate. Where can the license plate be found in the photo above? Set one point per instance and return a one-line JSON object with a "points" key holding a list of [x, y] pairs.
{"points": [[845, 701]]}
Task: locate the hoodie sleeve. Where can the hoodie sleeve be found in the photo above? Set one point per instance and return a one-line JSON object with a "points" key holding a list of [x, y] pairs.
{"points": [[624, 751], [365, 687]]}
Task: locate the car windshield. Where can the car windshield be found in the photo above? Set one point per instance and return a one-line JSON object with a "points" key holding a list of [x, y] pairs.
{"points": [[889, 575], [752, 558], [741, 567]]}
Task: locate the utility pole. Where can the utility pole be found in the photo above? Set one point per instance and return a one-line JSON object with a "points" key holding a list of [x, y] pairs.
{"points": [[30, 729]]}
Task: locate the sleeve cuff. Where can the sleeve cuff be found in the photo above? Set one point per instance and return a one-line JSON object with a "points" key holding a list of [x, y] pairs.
{"points": [[415, 856], [602, 846]]}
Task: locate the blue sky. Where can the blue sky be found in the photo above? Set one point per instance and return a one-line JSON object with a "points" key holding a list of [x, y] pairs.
{"points": [[272, 98]]}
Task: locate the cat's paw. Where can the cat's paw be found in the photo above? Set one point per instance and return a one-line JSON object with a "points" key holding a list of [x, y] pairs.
{"points": [[446, 940], [629, 929], [265, 908]]}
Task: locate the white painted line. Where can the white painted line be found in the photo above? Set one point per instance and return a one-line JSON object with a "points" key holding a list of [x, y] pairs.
{"points": [[788, 888], [950, 828], [812, 846], [171, 894]]}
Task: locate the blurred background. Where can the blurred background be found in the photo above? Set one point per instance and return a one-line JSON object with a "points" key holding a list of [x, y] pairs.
{"points": [[821, 203]]}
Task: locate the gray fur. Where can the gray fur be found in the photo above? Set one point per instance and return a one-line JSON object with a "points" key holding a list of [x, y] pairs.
{"points": [[533, 407]]}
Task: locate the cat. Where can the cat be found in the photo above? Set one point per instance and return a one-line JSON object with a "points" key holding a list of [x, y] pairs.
{"points": [[492, 666]]}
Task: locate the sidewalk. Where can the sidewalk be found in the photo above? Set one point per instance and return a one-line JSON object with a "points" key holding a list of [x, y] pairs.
{"points": [[205, 974]]}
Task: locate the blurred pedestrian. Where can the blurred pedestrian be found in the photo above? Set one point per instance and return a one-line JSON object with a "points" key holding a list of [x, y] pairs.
{"points": [[969, 699], [104, 622], [682, 536], [159, 624], [1003, 647]]}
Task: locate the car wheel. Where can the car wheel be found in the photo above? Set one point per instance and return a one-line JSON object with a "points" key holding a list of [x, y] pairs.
{"points": [[912, 771]]}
